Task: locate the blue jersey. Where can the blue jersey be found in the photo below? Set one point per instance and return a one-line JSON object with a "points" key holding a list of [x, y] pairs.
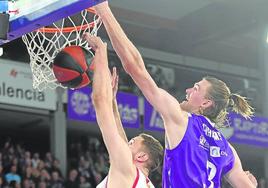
{"points": [[201, 158]]}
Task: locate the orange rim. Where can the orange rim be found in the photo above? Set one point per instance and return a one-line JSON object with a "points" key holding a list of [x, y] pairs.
{"points": [[68, 29]]}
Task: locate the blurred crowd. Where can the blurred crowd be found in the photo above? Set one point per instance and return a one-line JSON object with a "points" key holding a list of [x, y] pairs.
{"points": [[94, 162], [87, 166]]}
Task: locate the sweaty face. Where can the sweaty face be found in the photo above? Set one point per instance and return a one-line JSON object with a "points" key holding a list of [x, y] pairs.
{"points": [[196, 97]]}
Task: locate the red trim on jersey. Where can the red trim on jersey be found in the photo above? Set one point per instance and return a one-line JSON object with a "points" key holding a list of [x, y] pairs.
{"points": [[135, 182], [137, 179], [106, 182]]}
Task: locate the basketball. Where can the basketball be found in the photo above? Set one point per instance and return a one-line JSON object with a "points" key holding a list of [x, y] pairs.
{"points": [[73, 67]]}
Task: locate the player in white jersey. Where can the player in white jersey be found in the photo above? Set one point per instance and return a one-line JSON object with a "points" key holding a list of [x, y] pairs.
{"points": [[140, 182], [130, 162]]}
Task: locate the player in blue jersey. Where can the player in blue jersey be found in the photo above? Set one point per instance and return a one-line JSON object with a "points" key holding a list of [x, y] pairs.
{"points": [[196, 154]]}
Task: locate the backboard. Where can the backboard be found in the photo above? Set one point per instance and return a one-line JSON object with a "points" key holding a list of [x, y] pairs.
{"points": [[29, 15]]}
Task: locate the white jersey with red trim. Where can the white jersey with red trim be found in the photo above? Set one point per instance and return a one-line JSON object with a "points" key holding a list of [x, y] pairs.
{"points": [[141, 181]]}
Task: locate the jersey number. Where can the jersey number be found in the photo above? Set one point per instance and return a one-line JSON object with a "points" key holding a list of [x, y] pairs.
{"points": [[212, 172]]}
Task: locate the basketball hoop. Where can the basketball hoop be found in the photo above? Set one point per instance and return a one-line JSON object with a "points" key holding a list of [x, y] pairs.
{"points": [[45, 43]]}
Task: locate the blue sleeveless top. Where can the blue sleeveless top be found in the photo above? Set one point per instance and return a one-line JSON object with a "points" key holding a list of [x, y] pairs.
{"points": [[201, 158]]}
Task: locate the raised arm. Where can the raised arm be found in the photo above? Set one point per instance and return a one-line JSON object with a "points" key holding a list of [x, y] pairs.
{"points": [[119, 152], [237, 177], [175, 119]]}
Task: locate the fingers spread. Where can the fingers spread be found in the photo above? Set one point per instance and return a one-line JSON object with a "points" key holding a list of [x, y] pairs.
{"points": [[94, 41]]}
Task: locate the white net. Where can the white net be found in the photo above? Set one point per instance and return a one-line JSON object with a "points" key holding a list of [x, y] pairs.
{"points": [[44, 44]]}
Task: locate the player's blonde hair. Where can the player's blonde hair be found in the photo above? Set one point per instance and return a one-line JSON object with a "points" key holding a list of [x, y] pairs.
{"points": [[222, 99]]}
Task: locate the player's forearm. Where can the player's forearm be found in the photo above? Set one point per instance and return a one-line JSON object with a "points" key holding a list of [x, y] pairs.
{"points": [[239, 179], [242, 184], [106, 123], [127, 52], [118, 121], [119, 152], [102, 90]]}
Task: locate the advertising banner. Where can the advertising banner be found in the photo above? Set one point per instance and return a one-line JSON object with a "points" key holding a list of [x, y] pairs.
{"points": [[152, 119], [246, 131], [16, 87], [80, 107]]}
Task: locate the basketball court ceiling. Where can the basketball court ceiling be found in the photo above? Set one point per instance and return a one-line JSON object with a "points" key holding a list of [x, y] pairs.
{"points": [[228, 31], [172, 9]]}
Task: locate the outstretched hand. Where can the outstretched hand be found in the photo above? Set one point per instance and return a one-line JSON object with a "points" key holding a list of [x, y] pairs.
{"points": [[102, 75], [115, 79], [100, 49], [95, 42]]}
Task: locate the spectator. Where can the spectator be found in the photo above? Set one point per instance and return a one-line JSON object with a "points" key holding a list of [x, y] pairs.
{"points": [[72, 181], [35, 160], [56, 182], [56, 167], [44, 176], [85, 170], [13, 184], [25, 160], [28, 184], [35, 175], [41, 165], [83, 183], [42, 184], [28, 174], [13, 176], [48, 161]]}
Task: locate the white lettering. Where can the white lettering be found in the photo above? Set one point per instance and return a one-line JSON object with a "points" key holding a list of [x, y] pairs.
{"points": [[20, 93], [245, 126], [156, 121], [211, 133], [128, 114]]}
